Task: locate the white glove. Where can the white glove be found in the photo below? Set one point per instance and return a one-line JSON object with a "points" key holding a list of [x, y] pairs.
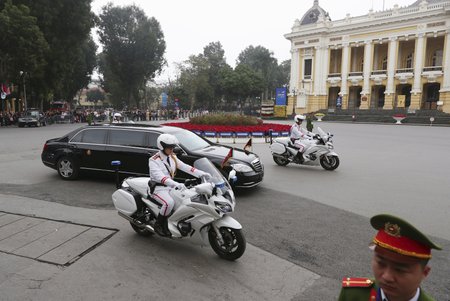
{"points": [[207, 176], [180, 186]]}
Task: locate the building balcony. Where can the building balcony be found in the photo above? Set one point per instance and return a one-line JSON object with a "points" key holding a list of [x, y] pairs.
{"points": [[431, 73], [355, 77], [379, 72], [334, 79], [378, 76], [404, 74], [432, 68]]}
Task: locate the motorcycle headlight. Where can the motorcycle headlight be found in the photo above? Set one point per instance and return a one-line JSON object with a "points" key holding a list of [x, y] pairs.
{"points": [[330, 145], [241, 167], [224, 207]]}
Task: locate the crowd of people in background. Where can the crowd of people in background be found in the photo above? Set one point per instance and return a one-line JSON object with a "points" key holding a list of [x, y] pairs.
{"points": [[104, 115]]}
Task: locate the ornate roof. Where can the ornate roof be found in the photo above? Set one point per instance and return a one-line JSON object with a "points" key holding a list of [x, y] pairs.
{"points": [[313, 14], [417, 3]]}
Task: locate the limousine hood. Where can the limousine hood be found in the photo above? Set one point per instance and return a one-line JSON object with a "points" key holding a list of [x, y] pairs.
{"points": [[220, 152]]}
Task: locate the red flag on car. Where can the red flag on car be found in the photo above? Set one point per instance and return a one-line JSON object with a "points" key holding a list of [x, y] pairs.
{"points": [[228, 156], [248, 146]]}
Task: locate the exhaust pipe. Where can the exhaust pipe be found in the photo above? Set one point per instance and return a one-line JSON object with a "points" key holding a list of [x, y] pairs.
{"points": [[136, 222]]}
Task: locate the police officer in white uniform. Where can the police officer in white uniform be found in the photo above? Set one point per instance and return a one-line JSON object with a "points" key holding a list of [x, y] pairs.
{"points": [[300, 137], [163, 166]]}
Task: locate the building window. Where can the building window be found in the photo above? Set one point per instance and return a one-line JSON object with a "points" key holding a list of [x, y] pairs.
{"points": [[436, 59], [384, 63], [308, 69], [409, 61]]}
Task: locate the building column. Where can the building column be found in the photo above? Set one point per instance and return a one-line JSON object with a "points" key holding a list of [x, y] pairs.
{"points": [[419, 53], [444, 93], [344, 74], [366, 73], [293, 84], [390, 88], [325, 68], [318, 62]]}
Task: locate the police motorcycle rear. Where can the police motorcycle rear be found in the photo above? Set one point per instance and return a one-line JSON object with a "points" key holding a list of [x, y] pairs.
{"points": [[200, 214], [320, 152]]}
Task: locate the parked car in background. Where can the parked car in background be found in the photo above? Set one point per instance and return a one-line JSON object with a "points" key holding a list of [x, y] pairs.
{"points": [[92, 148], [32, 117]]}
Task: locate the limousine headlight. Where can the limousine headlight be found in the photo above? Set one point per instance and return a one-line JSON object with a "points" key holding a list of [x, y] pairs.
{"points": [[241, 167]]}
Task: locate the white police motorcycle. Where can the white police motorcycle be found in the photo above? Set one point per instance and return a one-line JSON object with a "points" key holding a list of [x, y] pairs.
{"points": [[319, 152], [200, 212]]}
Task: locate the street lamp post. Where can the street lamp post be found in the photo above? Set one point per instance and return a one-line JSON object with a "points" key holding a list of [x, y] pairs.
{"points": [[294, 102], [24, 90]]}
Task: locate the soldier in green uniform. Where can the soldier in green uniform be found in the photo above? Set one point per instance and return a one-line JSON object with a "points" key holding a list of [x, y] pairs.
{"points": [[399, 264]]}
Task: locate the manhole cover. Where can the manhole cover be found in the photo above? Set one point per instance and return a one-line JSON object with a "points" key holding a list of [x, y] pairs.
{"points": [[47, 240]]}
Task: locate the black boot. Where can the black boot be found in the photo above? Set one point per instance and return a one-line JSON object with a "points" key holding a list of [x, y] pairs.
{"points": [[161, 226], [299, 158]]}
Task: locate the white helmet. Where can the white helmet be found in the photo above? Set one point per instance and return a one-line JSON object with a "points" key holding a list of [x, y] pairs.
{"points": [[117, 115], [298, 118], [166, 140]]}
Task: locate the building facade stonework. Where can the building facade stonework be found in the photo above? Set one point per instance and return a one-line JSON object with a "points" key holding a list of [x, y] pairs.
{"points": [[396, 58]]}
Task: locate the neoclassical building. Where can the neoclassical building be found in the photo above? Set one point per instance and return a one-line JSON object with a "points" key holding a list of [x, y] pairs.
{"points": [[396, 58]]}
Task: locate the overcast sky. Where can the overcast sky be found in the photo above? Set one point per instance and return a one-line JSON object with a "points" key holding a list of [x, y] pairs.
{"points": [[190, 25]]}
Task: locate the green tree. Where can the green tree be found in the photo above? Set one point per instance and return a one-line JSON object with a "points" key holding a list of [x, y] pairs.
{"points": [[261, 60], [242, 83], [215, 56], [194, 78], [23, 45], [133, 51], [66, 26]]}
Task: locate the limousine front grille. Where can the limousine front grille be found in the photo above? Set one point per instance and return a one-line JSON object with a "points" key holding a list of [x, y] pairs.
{"points": [[257, 165]]}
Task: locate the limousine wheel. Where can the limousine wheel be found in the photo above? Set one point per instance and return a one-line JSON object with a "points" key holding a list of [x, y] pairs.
{"points": [[67, 168]]}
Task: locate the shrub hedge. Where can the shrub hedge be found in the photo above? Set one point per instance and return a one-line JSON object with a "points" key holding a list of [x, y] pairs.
{"points": [[226, 119]]}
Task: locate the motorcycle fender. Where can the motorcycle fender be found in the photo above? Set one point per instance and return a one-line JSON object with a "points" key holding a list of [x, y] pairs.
{"points": [[229, 222], [332, 154], [277, 148], [124, 202]]}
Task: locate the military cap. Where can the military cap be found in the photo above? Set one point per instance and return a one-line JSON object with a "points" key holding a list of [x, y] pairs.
{"points": [[397, 235]]}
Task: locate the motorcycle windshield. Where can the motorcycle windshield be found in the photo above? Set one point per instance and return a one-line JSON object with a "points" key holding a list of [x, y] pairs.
{"points": [[204, 164]]}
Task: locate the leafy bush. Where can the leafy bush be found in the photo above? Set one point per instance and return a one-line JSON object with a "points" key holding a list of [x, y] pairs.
{"points": [[309, 123], [226, 119]]}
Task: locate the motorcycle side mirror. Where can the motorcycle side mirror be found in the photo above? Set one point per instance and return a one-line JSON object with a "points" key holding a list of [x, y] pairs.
{"points": [[178, 151], [232, 176], [116, 165]]}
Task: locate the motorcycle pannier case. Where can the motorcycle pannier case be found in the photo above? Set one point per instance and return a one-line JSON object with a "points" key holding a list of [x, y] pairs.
{"points": [[278, 148], [125, 201]]}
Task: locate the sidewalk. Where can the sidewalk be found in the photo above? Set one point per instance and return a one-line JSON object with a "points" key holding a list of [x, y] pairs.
{"points": [[103, 259]]}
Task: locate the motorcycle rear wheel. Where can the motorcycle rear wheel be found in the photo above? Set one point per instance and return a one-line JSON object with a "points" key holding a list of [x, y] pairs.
{"points": [[332, 164], [234, 243], [280, 161]]}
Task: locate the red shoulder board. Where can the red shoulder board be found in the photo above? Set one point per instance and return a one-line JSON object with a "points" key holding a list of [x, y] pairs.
{"points": [[356, 282], [155, 156]]}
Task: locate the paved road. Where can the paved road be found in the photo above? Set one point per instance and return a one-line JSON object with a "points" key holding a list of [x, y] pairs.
{"points": [[315, 219]]}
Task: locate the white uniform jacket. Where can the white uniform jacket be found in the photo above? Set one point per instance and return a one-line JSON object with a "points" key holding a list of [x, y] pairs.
{"points": [[162, 172], [297, 132]]}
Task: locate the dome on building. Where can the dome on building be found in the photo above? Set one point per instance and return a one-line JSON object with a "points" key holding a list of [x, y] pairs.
{"points": [[314, 14]]}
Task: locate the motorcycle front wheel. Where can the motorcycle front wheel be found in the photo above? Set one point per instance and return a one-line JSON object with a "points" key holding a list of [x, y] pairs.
{"points": [[233, 246], [331, 164], [281, 161]]}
